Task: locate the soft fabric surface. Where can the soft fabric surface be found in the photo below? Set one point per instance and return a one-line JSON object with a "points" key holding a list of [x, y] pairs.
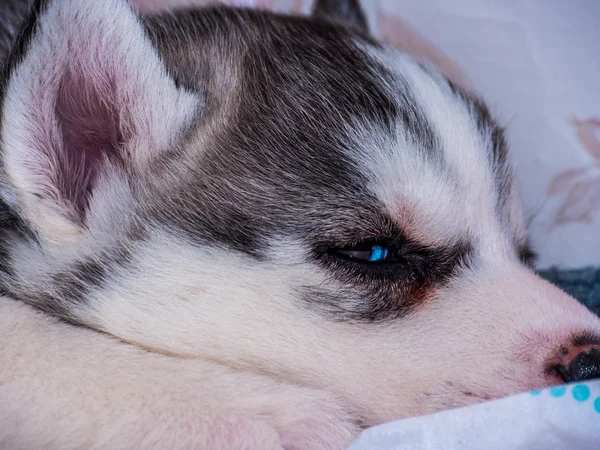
{"points": [[560, 417], [583, 284]]}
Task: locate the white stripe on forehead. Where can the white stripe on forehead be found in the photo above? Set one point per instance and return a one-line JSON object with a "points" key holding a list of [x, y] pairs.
{"points": [[438, 195]]}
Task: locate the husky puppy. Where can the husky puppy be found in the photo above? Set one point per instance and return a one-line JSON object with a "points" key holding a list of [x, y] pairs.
{"points": [[284, 229]]}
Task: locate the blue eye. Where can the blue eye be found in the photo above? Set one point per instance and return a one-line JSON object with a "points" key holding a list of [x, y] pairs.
{"points": [[369, 253], [378, 253]]}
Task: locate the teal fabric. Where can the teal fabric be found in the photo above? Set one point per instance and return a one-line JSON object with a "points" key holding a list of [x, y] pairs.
{"points": [[583, 284]]}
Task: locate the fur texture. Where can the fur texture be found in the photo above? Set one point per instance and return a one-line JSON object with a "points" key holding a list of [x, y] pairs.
{"points": [[67, 387], [191, 183], [12, 13]]}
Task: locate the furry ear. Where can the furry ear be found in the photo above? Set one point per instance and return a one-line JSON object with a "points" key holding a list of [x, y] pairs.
{"points": [[344, 12], [87, 101]]}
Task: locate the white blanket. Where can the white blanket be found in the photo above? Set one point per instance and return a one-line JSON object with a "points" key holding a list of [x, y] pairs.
{"points": [[562, 417]]}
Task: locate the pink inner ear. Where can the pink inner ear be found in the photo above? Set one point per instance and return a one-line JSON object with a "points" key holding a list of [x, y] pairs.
{"points": [[90, 122]]}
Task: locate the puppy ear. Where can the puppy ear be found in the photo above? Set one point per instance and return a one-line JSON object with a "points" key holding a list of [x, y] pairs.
{"points": [[86, 101], [344, 12]]}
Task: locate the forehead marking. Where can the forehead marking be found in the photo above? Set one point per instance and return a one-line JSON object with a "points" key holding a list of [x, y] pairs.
{"points": [[454, 198]]}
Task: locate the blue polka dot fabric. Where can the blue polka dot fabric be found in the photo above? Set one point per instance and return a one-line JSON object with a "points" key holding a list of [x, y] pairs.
{"points": [[559, 417], [580, 393]]}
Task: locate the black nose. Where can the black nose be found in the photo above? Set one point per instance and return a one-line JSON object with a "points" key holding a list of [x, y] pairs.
{"points": [[584, 367]]}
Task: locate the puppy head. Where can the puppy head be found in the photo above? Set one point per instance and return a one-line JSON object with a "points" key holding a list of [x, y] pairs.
{"points": [[279, 194]]}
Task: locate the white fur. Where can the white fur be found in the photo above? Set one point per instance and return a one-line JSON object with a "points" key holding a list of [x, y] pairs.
{"points": [[69, 388]]}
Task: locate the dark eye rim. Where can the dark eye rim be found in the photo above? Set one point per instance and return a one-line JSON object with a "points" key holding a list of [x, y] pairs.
{"points": [[406, 253], [416, 263], [393, 245]]}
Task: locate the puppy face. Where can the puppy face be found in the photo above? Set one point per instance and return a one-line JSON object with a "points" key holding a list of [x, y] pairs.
{"points": [[279, 194]]}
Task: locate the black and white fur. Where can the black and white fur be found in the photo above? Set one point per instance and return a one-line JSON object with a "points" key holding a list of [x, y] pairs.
{"points": [[184, 182]]}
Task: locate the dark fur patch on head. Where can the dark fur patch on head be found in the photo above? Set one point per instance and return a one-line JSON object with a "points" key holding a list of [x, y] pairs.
{"points": [[12, 227], [8, 218], [72, 286], [283, 152], [78, 280], [283, 163]]}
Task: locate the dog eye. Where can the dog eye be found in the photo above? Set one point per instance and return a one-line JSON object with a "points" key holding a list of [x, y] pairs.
{"points": [[368, 252]]}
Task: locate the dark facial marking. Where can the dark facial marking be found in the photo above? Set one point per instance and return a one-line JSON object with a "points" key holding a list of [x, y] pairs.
{"points": [[74, 284], [12, 227], [416, 126], [385, 291]]}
